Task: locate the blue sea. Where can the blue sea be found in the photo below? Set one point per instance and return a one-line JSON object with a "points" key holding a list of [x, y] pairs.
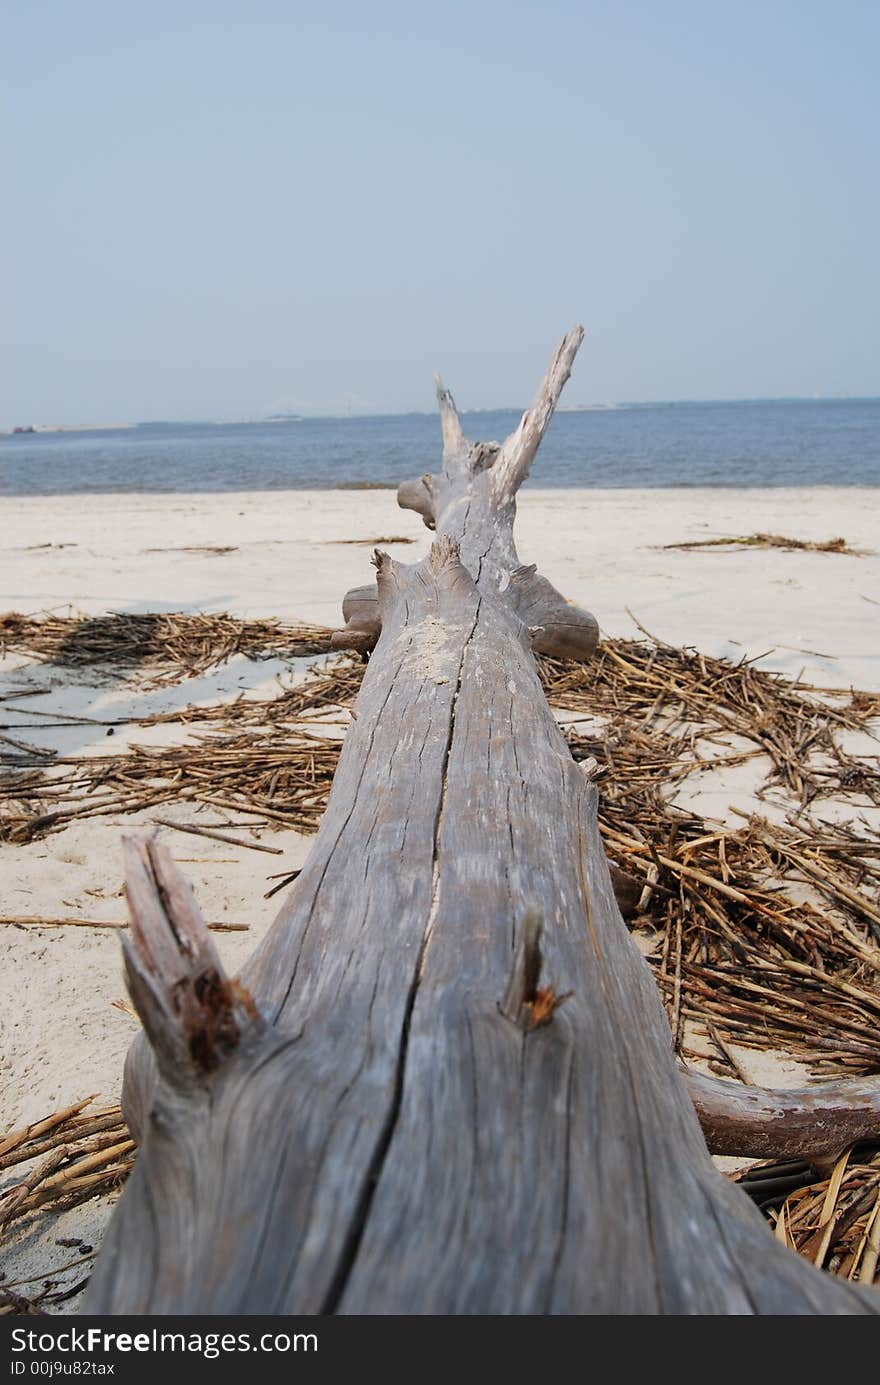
{"points": [[750, 443]]}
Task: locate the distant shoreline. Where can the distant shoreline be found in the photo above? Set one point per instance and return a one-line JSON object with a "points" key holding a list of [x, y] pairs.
{"points": [[30, 429], [607, 406]]}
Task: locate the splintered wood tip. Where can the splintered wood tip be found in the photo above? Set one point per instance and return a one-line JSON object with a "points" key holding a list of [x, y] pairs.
{"points": [[193, 1014]]}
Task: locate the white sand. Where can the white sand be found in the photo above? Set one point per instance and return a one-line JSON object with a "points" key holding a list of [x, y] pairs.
{"points": [[599, 547], [60, 1036]]}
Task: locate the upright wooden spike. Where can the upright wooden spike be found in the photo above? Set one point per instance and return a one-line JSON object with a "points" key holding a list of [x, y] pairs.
{"points": [[518, 451], [455, 444]]}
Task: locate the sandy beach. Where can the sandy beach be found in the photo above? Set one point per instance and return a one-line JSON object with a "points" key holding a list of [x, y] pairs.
{"points": [[294, 554]]}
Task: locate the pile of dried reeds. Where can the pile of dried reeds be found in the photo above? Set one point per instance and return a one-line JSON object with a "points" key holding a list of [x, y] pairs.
{"points": [[833, 1221], [331, 686], [284, 778], [838, 545], [169, 646], [740, 945], [656, 686], [766, 935], [56, 1163], [649, 685]]}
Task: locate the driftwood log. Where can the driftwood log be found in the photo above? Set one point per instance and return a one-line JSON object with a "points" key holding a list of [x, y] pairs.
{"points": [[445, 1082]]}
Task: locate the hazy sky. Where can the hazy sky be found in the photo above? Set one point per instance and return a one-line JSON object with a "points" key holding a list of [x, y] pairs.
{"points": [[217, 209]]}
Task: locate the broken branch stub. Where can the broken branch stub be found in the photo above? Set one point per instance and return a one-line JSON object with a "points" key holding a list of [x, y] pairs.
{"points": [[525, 1002], [816, 1122], [419, 496], [193, 1015]]}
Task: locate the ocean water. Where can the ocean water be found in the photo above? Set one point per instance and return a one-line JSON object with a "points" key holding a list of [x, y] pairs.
{"points": [[760, 443]]}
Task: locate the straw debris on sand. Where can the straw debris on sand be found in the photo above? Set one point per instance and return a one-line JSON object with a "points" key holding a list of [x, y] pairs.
{"points": [[736, 941], [763, 934], [832, 1220], [165, 647], [739, 944], [284, 777], [838, 545], [55, 1164]]}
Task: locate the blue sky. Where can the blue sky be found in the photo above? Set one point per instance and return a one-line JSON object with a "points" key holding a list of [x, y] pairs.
{"points": [[227, 209]]}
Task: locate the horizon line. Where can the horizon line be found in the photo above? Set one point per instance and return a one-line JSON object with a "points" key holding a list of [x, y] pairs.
{"points": [[598, 406]]}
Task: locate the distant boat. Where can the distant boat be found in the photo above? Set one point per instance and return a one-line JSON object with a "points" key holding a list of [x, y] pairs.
{"points": [[29, 429]]}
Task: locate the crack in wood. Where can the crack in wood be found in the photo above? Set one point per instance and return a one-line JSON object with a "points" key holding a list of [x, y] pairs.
{"points": [[374, 1172]]}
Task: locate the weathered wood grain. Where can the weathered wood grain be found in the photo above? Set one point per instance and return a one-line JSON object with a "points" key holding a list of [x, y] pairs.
{"points": [[388, 1132]]}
